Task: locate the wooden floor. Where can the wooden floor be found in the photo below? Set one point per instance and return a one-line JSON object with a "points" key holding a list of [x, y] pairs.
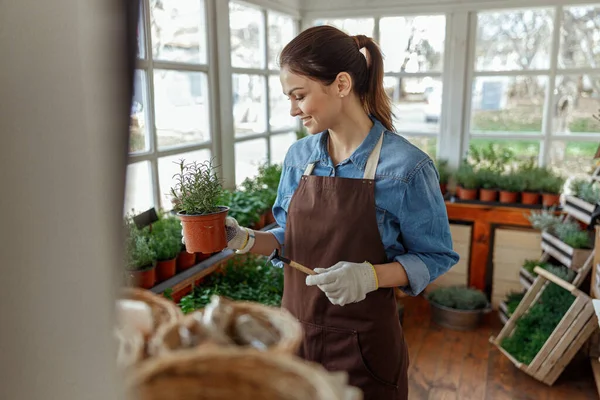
{"points": [[446, 364]]}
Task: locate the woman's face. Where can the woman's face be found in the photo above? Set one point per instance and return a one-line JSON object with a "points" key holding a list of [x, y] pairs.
{"points": [[315, 104]]}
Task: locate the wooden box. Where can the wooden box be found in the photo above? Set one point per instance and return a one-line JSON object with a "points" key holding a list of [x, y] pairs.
{"points": [[576, 326], [567, 255], [580, 209]]}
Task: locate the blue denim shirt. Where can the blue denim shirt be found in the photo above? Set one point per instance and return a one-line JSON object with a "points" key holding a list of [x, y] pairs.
{"points": [[410, 209]]}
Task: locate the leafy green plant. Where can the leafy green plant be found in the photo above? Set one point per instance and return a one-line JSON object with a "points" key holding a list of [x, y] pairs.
{"points": [[585, 190], [265, 184], [512, 301], [571, 234], [443, 170], [488, 178], [459, 298], [545, 219], [245, 207], [552, 184], [168, 294], [535, 327], [197, 188], [560, 271], [138, 250], [466, 177], [511, 182], [165, 238], [491, 157], [247, 278]]}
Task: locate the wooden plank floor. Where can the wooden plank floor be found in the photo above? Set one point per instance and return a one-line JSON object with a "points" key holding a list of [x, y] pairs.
{"points": [[448, 365]]}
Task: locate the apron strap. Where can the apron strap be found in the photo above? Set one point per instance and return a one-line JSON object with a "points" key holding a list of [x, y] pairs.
{"points": [[309, 169], [373, 160]]}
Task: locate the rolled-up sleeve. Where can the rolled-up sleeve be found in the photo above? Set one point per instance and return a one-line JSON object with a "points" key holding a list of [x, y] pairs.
{"points": [[425, 231]]}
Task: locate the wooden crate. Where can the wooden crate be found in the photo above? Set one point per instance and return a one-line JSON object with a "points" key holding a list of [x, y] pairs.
{"points": [[576, 326], [579, 209], [577, 259]]}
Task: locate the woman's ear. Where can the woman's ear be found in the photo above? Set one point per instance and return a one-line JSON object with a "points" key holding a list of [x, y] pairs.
{"points": [[343, 84]]}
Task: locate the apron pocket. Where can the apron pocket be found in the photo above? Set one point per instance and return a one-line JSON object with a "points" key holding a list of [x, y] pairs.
{"points": [[312, 343], [363, 356]]}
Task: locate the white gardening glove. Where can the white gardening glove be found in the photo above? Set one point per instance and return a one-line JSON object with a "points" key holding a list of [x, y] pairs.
{"points": [[238, 238], [345, 282]]}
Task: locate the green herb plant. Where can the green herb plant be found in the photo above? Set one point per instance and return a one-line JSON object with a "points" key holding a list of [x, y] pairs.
{"points": [[459, 298], [197, 188], [138, 250]]}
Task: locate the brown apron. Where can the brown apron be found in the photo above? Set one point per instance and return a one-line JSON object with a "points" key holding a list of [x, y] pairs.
{"points": [[333, 219]]}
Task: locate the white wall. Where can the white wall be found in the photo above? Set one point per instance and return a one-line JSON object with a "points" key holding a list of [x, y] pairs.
{"points": [[63, 130]]}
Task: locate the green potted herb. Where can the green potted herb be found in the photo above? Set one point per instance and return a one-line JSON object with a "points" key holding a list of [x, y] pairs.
{"points": [[141, 258], [197, 191], [467, 182], [551, 188], [457, 307], [510, 185], [488, 179], [165, 240], [444, 173]]}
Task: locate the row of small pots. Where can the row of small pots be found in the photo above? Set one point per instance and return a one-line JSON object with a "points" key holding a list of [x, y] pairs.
{"points": [[501, 196]]}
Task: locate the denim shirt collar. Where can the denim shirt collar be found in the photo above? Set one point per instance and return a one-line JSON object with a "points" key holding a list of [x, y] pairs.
{"points": [[360, 155]]}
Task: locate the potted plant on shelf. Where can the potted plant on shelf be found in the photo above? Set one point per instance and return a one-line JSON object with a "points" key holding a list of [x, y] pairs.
{"points": [[551, 188], [583, 200], [458, 307], [510, 185], [165, 240], [444, 173], [467, 182], [141, 259], [197, 191], [488, 180]]}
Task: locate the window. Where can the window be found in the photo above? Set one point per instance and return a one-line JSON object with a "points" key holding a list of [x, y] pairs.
{"points": [[261, 114], [536, 84], [170, 116], [352, 26]]}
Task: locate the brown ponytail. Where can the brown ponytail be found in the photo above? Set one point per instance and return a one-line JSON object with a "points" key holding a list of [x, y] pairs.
{"points": [[376, 101], [322, 52]]}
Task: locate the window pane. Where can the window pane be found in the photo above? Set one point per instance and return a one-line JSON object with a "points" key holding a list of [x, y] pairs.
{"points": [[249, 156], [580, 37], [280, 117], [508, 104], [168, 166], [427, 144], [417, 103], [247, 36], [181, 108], [249, 104], [577, 98], [352, 26], [138, 124], [522, 149], [141, 40], [413, 44], [573, 158], [178, 30], [280, 145], [282, 30], [138, 191], [514, 40]]}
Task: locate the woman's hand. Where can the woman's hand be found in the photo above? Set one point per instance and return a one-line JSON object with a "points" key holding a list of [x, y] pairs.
{"points": [[345, 282]]}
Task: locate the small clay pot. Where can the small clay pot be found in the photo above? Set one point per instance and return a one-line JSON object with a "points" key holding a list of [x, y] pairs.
{"points": [[185, 260], [166, 269], [144, 278], [550, 199], [205, 233], [530, 198], [467, 194], [508, 197], [489, 195]]}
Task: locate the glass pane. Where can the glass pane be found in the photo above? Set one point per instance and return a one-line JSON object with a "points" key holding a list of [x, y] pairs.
{"points": [[138, 190], [280, 145], [247, 28], [523, 150], [580, 37], [514, 40], [181, 108], [576, 100], [573, 159], [427, 144], [413, 44], [508, 104], [249, 156], [168, 166], [178, 30], [138, 123], [141, 41], [417, 103], [280, 117], [352, 26], [282, 30], [249, 104]]}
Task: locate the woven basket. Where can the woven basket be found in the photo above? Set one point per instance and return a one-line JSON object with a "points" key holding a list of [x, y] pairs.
{"points": [[130, 344], [164, 312], [215, 373], [288, 329]]}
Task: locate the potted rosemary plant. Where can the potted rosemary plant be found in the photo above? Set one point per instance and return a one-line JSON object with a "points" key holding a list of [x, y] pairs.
{"points": [[458, 307], [197, 192]]}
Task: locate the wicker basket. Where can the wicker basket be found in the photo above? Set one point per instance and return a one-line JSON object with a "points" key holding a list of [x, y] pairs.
{"points": [[288, 329], [215, 373], [130, 344]]}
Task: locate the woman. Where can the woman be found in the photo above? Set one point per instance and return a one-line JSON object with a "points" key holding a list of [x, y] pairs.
{"points": [[360, 205]]}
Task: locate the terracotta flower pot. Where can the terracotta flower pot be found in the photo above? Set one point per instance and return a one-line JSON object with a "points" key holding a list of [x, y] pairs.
{"points": [[530, 198], [550, 199], [467, 194], [205, 233], [488, 194], [143, 278], [201, 257], [508, 197], [185, 260], [165, 269]]}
